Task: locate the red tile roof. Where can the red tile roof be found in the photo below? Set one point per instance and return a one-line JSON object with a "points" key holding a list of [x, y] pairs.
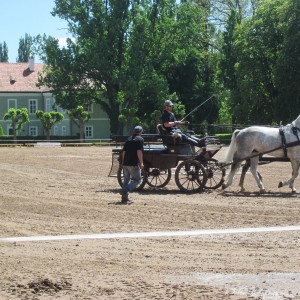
{"points": [[17, 77]]}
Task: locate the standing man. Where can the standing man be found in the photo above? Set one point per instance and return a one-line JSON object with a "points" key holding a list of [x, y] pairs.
{"points": [[170, 124], [132, 159]]}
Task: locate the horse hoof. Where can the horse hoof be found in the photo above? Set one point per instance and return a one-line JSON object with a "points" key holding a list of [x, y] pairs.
{"points": [[223, 186], [280, 184], [294, 191], [262, 191]]}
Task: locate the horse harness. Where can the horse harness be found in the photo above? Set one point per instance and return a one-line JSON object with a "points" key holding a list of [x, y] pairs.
{"points": [[284, 145]]}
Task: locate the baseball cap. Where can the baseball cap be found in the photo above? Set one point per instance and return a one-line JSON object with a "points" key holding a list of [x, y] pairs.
{"points": [[138, 129], [168, 103]]}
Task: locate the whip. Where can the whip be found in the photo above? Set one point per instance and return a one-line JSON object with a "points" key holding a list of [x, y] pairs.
{"points": [[197, 107]]}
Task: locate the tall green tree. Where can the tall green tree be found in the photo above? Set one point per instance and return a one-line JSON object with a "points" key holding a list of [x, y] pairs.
{"points": [[25, 50], [130, 55], [49, 119], [3, 52], [18, 118], [79, 116], [93, 65], [287, 71], [256, 43]]}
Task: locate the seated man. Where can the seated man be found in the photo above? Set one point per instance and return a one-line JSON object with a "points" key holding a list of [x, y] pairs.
{"points": [[170, 125]]}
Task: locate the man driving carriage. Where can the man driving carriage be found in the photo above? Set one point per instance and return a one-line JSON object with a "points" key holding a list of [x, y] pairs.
{"points": [[170, 123]]}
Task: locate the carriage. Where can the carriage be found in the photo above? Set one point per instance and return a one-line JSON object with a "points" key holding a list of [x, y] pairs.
{"points": [[163, 155]]}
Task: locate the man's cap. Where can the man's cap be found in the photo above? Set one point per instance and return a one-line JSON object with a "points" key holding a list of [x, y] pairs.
{"points": [[168, 103], [138, 129]]}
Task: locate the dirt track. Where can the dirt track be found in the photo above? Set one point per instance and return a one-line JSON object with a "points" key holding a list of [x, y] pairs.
{"points": [[59, 191]]}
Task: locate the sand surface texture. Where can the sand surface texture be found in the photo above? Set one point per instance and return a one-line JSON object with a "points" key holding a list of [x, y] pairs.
{"points": [[54, 192]]}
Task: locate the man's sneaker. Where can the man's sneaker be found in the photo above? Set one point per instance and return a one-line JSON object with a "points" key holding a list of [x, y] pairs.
{"points": [[124, 197]]}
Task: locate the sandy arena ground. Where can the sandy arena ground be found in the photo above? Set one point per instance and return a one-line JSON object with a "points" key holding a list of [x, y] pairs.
{"points": [[66, 191]]}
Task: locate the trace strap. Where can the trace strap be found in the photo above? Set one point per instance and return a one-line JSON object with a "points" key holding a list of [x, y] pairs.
{"points": [[292, 144], [283, 140]]}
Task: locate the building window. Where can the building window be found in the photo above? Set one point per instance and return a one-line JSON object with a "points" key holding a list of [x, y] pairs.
{"points": [[89, 108], [33, 131], [64, 131], [55, 130], [12, 103], [48, 105], [32, 106], [89, 131], [10, 130]]}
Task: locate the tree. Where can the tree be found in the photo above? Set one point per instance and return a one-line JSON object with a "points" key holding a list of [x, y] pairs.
{"points": [[95, 62], [25, 48], [18, 118], [79, 116], [130, 55], [258, 42], [3, 52], [49, 119], [287, 71]]}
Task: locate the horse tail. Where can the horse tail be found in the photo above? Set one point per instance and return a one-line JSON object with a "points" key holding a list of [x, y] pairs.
{"points": [[230, 152]]}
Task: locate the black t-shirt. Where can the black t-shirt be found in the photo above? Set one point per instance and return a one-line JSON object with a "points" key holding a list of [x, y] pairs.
{"points": [[134, 143], [168, 116]]}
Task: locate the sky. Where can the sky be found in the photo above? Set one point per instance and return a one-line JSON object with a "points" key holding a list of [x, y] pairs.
{"points": [[33, 17]]}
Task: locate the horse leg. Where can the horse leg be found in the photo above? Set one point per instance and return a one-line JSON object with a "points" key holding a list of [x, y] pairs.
{"points": [[290, 182], [256, 175], [234, 167], [244, 171]]}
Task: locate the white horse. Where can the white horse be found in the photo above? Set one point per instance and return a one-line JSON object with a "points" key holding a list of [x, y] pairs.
{"points": [[249, 143]]}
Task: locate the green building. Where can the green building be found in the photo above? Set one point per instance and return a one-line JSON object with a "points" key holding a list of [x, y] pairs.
{"points": [[18, 90]]}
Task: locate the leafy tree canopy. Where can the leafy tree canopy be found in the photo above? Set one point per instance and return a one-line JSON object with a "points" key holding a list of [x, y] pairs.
{"points": [[3, 52], [130, 55]]}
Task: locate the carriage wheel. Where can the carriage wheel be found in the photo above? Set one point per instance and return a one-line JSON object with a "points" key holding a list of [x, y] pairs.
{"points": [[215, 174], [157, 178], [121, 179], [190, 176]]}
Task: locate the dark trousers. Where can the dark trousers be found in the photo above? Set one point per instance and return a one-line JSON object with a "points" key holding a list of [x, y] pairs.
{"points": [[190, 139]]}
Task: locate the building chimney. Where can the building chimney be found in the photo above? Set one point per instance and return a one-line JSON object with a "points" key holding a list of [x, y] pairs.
{"points": [[31, 64], [12, 79]]}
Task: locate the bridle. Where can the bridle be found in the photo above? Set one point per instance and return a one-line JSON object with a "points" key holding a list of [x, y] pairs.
{"points": [[295, 131]]}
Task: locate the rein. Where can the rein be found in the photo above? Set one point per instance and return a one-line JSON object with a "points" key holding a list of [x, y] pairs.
{"points": [[289, 145]]}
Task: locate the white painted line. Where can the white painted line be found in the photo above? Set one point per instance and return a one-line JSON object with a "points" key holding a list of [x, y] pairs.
{"points": [[150, 234]]}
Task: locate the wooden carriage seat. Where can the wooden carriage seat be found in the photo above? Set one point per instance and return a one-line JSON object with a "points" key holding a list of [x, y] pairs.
{"points": [[167, 138]]}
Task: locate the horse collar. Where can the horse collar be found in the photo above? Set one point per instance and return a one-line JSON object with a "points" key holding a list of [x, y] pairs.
{"points": [[283, 140]]}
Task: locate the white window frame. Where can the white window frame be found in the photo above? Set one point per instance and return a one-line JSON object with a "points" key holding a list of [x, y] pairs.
{"points": [[48, 104], [90, 108], [9, 128], [10, 101], [64, 131], [89, 131], [30, 104], [55, 130], [33, 128]]}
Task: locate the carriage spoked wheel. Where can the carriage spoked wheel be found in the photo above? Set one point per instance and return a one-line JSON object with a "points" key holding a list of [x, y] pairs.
{"points": [[157, 178], [215, 174], [190, 176], [120, 177]]}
